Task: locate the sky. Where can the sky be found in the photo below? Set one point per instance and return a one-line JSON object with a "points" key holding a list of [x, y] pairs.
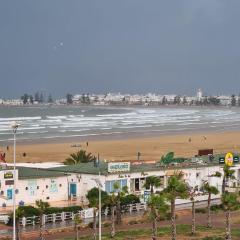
{"points": [[128, 46]]}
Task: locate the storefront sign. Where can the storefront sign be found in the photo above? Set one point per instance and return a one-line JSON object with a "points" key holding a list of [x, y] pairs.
{"points": [[118, 167], [236, 159], [221, 160], [8, 175], [229, 159], [9, 182], [146, 195]]}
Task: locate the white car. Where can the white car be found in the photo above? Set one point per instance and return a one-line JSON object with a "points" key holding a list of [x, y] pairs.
{"points": [[4, 218]]}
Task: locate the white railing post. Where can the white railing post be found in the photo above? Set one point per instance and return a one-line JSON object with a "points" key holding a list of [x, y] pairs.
{"points": [[62, 216], [54, 217], [24, 221], [43, 219]]}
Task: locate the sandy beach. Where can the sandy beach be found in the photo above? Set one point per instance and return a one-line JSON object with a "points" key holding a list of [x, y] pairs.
{"points": [[151, 148]]}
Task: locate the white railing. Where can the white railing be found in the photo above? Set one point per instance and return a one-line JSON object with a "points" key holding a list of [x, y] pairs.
{"points": [[84, 214], [88, 213]]}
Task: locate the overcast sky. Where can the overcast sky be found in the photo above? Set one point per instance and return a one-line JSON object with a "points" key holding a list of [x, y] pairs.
{"points": [[131, 46]]}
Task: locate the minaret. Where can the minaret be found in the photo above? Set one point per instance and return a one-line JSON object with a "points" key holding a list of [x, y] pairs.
{"points": [[199, 95]]}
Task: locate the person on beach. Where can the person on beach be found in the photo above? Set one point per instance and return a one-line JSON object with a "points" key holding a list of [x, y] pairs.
{"points": [[87, 144], [189, 140]]}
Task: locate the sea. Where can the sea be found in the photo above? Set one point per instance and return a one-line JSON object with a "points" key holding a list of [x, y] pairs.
{"points": [[61, 123]]}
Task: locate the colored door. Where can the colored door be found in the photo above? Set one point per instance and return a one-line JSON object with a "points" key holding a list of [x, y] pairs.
{"points": [[73, 189], [9, 194]]}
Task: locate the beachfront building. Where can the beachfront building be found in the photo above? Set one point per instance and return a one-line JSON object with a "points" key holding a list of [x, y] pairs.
{"points": [[71, 183], [32, 184], [134, 175]]}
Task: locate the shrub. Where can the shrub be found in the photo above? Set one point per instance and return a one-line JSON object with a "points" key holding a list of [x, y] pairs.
{"points": [[90, 225], [216, 208], [129, 199], [74, 209], [29, 211], [106, 225], [213, 238], [201, 210], [132, 222]]}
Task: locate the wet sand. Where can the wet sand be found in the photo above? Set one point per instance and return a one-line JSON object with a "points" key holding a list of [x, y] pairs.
{"points": [[151, 148]]}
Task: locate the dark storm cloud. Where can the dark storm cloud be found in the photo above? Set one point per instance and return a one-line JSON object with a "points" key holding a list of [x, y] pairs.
{"points": [[76, 46]]}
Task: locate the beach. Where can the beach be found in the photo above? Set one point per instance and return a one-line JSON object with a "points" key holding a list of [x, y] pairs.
{"points": [[151, 148]]}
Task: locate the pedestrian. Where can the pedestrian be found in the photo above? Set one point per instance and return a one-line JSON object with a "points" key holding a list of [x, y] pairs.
{"points": [[87, 144], [189, 140], [7, 148]]}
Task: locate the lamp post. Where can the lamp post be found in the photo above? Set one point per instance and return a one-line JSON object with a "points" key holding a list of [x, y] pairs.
{"points": [[14, 127], [99, 184]]}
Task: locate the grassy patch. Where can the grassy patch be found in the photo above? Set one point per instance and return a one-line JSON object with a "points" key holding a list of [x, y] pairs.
{"points": [[184, 231]]}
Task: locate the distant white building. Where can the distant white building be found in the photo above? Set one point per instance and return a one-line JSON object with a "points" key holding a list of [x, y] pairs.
{"points": [[224, 100], [13, 102]]}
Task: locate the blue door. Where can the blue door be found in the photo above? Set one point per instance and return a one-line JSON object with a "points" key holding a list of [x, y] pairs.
{"points": [[9, 194], [73, 189]]}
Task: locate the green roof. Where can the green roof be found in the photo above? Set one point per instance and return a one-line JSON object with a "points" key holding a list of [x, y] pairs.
{"points": [[89, 168], [31, 173]]}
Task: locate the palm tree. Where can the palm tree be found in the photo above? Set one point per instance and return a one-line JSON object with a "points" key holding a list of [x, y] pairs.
{"points": [[79, 157], [210, 190], [114, 201], [158, 206], [151, 182], [230, 203], [192, 195], [93, 198], [227, 174], [19, 214], [42, 207], [176, 188], [77, 222]]}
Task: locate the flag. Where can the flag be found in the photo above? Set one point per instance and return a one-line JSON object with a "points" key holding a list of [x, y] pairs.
{"points": [[3, 157]]}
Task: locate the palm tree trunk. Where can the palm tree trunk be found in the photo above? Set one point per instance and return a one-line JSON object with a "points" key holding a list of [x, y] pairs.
{"points": [[17, 229], [77, 237], [94, 224], [223, 184], [41, 227], [154, 224], [113, 222], [118, 212], [193, 218], [209, 222], [173, 220], [228, 228]]}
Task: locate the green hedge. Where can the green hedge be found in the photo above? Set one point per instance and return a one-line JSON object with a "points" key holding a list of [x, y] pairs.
{"points": [[30, 211], [129, 199]]}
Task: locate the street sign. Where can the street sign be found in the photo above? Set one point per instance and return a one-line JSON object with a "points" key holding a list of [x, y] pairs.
{"points": [[229, 159]]}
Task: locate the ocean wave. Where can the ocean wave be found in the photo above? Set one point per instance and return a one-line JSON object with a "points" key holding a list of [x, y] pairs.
{"points": [[20, 118]]}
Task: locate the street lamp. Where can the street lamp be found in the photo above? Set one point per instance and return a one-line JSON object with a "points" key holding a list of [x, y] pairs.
{"points": [[99, 184], [14, 127]]}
